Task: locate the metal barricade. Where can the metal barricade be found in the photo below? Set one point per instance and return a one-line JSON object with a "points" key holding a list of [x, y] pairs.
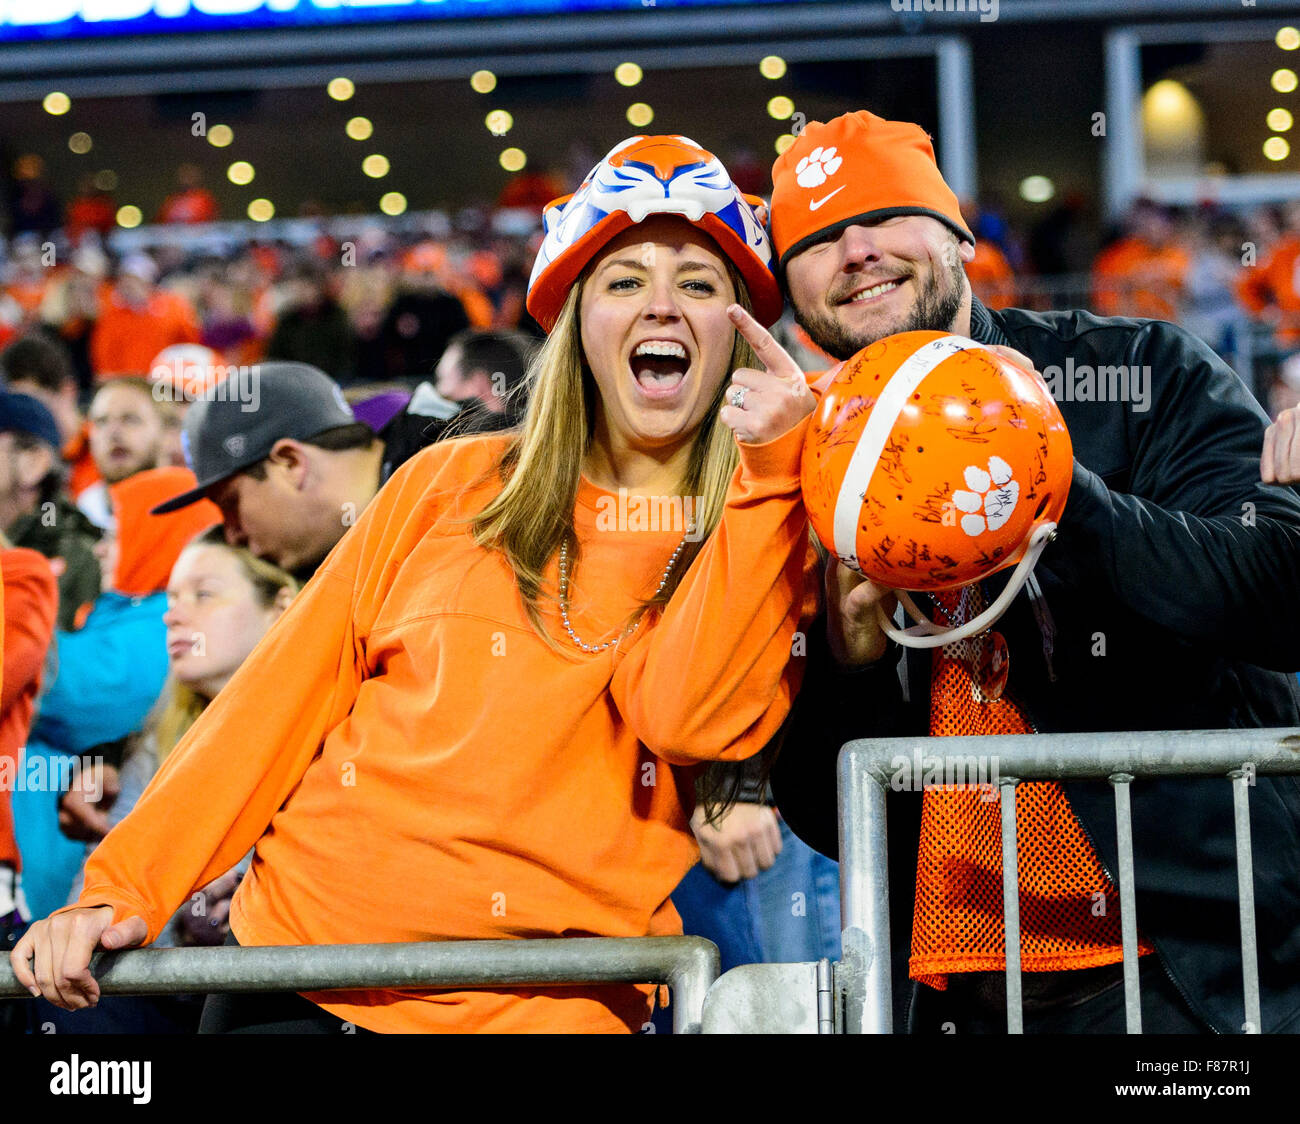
{"points": [[688, 965], [867, 767]]}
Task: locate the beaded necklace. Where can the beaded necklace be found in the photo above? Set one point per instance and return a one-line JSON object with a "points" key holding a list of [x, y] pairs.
{"points": [[564, 598]]}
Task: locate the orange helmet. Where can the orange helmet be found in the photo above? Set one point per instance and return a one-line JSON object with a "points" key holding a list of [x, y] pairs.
{"points": [[933, 462]]}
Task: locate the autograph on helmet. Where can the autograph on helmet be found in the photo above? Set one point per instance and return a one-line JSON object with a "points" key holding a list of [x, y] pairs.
{"points": [[991, 500]]}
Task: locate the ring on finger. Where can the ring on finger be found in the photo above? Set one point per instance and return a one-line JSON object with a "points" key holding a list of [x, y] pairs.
{"points": [[737, 396]]}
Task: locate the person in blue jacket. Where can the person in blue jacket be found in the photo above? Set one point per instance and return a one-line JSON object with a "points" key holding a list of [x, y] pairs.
{"points": [[103, 678]]}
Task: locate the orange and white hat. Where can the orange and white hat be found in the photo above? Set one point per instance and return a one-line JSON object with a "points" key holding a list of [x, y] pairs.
{"points": [[643, 176], [855, 168]]}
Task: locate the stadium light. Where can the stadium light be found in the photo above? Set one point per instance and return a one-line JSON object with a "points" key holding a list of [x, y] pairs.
{"points": [[393, 203], [513, 159], [220, 136], [359, 128], [780, 107], [340, 89], [499, 122], [240, 172], [1036, 189], [129, 217], [56, 103], [1288, 38], [1284, 80], [261, 210], [628, 74], [1276, 148], [1280, 120], [773, 67], [375, 166], [640, 114], [483, 81], [80, 143]]}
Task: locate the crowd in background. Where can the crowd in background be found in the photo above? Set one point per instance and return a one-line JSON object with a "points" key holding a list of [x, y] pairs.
{"points": [[88, 443], [381, 307]]}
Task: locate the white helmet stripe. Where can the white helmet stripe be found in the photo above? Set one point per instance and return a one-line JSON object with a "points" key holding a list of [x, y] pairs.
{"points": [[871, 443]]}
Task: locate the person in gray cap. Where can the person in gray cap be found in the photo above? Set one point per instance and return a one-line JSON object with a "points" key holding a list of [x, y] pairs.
{"points": [[35, 512], [279, 451]]}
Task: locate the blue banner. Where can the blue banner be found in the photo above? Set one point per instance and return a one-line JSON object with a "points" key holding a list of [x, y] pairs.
{"points": [[66, 19]]}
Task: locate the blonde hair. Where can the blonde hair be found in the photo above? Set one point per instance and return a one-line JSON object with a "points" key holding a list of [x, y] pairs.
{"points": [[541, 466], [185, 704]]}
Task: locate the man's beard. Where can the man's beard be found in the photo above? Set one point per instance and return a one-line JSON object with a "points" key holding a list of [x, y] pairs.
{"points": [[934, 311]]}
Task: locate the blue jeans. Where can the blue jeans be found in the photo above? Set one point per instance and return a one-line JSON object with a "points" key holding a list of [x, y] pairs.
{"points": [[788, 914]]}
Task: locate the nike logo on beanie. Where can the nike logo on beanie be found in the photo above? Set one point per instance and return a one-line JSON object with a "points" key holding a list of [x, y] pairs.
{"points": [[815, 203]]}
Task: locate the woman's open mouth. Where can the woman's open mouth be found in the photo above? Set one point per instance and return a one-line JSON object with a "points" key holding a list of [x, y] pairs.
{"points": [[659, 367]]}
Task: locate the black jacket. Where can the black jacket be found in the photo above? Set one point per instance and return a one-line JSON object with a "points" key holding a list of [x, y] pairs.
{"points": [[1174, 591], [429, 417]]}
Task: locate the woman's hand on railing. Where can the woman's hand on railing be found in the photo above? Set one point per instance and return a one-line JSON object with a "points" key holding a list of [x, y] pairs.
{"points": [[52, 959]]}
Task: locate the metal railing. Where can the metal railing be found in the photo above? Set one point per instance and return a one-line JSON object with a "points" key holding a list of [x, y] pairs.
{"points": [[867, 767], [688, 965]]}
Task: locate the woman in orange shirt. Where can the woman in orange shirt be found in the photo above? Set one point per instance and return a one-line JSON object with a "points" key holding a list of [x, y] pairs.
{"points": [[470, 724]]}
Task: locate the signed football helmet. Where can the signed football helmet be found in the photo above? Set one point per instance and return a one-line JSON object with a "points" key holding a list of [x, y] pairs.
{"points": [[933, 462]]}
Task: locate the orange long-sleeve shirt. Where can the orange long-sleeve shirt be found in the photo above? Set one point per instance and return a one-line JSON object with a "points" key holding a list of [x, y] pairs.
{"points": [[430, 769]]}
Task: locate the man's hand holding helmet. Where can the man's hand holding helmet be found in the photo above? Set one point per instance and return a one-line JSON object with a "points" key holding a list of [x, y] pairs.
{"points": [[852, 627]]}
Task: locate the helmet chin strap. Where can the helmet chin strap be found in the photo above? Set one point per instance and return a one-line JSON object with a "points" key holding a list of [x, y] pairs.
{"points": [[926, 634]]}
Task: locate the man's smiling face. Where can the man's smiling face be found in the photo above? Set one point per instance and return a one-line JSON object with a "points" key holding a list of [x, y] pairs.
{"points": [[876, 279]]}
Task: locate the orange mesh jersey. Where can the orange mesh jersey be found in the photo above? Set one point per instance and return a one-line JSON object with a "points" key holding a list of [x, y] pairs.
{"points": [[958, 925]]}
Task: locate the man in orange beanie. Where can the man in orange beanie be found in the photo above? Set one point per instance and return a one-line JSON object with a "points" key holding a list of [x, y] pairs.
{"points": [[1155, 567]]}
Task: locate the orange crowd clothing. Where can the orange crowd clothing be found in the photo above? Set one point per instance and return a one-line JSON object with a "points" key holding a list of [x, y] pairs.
{"points": [[82, 472], [1069, 908], [991, 277], [1274, 284], [90, 213], [193, 205], [28, 293], [414, 763], [1134, 278], [148, 545], [478, 309], [125, 340], [530, 189], [30, 603]]}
